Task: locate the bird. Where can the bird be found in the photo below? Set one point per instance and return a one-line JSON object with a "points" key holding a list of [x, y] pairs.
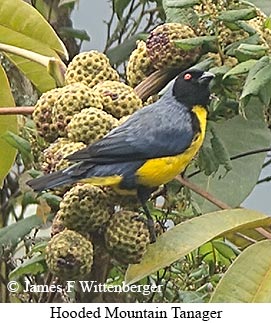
{"points": [[155, 144]]}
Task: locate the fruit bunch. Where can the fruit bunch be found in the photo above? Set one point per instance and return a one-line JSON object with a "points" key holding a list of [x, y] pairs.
{"points": [[94, 101], [91, 103]]}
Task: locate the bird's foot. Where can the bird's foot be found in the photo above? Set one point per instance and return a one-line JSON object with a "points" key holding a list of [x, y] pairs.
{"points": [[151, 228]]}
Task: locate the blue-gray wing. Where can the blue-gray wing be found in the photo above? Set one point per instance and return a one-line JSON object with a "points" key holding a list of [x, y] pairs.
{"points": [[154, 131]]}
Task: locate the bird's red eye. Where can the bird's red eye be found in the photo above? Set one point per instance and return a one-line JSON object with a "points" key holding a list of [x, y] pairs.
{"points": [[187, 76]]}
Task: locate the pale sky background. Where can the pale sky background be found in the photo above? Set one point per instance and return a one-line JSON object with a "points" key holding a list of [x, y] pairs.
{"points": [[90, 16]]}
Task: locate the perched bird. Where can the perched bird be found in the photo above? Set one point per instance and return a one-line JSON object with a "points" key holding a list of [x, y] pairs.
{"points": [[149, 149]]}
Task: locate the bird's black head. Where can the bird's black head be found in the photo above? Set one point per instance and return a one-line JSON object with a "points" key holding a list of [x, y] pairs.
{"points": [[192, 87]]}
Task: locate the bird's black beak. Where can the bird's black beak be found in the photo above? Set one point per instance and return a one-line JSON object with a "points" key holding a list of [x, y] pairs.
{"points": [[206, 78]]}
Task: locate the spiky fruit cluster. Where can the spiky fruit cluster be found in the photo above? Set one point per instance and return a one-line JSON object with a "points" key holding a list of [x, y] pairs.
{"points": [[228, 36], [42, 115], [210, 9], [90, 68], [139, 65], [163, 51], [118, 98], [208, 12], [126, 237], [90, 124], [37, 143], [69, 255], [53, 158], [72, 99], [84, 208]]}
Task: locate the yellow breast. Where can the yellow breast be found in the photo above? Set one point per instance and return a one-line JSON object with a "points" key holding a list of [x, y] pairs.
{"points": [[160, 171]]}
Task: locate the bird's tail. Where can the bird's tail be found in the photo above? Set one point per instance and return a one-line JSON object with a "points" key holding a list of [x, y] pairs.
{"points": [[55, 179]]}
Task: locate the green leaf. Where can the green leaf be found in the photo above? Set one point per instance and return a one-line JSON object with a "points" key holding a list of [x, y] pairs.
{"points": [[220, 151], [220, 70], [189, 235], [121, 52], [210, 255], [7, 123], [263, 62], [205, 64], [180, 3], [247, 51], [239, 135], [55, 67], [239, 14], [258, 78], [36, 73], [241, 68], [207, 161], [224, 249], [11, 235], [247, 28], [267, 23], [27, 23], [70, 32], [254, 40], [33, 266], [29, 30], [248, 280], [190, 43], [119, 6], [190, 297], [21, 144], [180, 11], [39, 247]]}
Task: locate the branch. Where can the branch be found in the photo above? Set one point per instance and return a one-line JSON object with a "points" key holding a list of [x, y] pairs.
{"points": [[16, 110], [151, 85], [267, 163], [239, 234], [241, 155], [251, 152], [264, 233], [154, 83], [264, 180], [202, 193], [216, 202]]}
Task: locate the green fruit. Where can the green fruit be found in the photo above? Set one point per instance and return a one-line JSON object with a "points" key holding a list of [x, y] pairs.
{"points": [[90, 124], [42, 115], [53, 158], [90, 68], [127, 237], [139, 65], [227, 36], [85, 208], [69, 255], [118, 98], [163, 51], [72, 99]]}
